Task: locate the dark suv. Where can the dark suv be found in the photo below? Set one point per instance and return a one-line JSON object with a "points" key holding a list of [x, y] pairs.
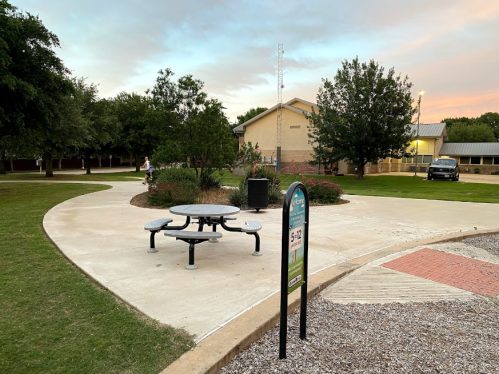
{"points": [[444, 168]]}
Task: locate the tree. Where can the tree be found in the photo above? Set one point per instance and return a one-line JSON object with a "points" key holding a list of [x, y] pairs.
{"points": [[33, 80], [197, 129], [98, 117], [248, 155], [66, 131], [474, 133], [492, 120], [362, 116], [136, 138]]}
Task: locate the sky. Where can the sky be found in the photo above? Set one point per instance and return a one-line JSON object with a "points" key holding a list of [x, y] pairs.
{"points": [[448, 48]]}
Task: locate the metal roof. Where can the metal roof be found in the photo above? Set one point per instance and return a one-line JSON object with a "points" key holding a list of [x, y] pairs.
{"points": [[430, 130], [470, 149]]}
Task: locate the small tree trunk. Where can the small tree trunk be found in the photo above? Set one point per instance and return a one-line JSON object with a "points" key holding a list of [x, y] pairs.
{"points": [[2, 163], [137, 164], [60, 161], [100, 161], [360, 172], [49, 171], [87, 161], [11, 164]]}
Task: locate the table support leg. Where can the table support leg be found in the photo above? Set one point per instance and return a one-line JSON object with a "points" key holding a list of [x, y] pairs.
{"points": [[152, 246], [191, 265], [214, 240], [257, 244]]}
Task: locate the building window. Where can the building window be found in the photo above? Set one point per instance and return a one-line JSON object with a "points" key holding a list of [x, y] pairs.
{"points": [[496, 160], [487, 160], [422, 159], [295, 127], [475, 160], [465, 160]]}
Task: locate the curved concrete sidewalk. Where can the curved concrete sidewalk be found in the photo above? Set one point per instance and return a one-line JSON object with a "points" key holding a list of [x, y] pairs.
{"points": [[103, 235]]}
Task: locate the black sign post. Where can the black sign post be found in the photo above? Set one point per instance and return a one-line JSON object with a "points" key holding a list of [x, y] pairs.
{"points": [[294, 260]]}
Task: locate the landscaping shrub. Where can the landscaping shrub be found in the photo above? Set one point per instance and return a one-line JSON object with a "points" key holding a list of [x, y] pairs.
{"points": [[174, 187], [275, 194], [174, 193], [239, 196], [209, 181], [174, 175], [322, 191]]}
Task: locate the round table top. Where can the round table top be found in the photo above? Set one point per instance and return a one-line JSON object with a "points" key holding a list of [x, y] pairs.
{"points": [[204, 210]]}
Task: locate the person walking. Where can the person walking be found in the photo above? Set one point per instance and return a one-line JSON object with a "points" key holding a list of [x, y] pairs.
{"points": [[147, 166]]}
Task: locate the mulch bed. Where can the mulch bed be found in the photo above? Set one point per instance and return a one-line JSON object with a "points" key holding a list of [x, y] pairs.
{"points": [[215, 196]]}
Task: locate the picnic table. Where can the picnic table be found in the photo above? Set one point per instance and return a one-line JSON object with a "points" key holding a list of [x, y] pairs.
{"points": [[206, 215]]}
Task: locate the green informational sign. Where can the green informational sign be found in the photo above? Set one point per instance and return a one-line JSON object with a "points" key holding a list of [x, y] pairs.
{"points": [[294, 258], [296, 240]]}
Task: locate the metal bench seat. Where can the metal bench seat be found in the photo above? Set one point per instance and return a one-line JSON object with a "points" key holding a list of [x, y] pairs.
{"points": [[158, 224], [252, 226], [154, 227], [193, 238], [204, 235]]}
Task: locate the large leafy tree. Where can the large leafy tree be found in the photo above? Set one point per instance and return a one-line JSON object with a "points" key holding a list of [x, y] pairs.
{"points": [[136, 138], [195, 128], [478, 128], [66, 131], [33, 80], [492, 120], [474, 133], [363, 115], [99, 121]]}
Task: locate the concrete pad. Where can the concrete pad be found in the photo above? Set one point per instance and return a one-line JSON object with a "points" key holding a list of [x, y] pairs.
{"points": [[103, 234]]}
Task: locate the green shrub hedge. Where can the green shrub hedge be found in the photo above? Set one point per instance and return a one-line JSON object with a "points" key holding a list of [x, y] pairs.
{"points": [[322, 191], [174, 187], [239, 197]]}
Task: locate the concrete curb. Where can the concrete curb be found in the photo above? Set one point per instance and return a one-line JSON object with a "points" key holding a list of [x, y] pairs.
{"points": [[216, 351]]}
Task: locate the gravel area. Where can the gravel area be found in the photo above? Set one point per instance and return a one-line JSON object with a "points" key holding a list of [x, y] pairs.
{"points": [[488, 242], [429, 337]]}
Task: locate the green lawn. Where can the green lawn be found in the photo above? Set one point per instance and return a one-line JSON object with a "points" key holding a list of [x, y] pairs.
{"points": [[382, 185], [122, 176], [53, 319], [400, 186]]}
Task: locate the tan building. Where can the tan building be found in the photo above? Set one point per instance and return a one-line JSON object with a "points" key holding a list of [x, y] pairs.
{"points": [[295, 147]]}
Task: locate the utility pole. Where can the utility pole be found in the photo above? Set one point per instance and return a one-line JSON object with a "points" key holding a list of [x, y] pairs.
{"points": [[421, 93], [280, 86]]}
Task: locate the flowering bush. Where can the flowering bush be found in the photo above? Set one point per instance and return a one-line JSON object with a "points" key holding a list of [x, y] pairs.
{"points": [[174, 193], [246, 156], [322, 191], [174, 187]]}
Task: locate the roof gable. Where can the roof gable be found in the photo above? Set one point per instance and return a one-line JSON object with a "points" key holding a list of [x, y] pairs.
{"points": [[288, 105], [430, 130]]}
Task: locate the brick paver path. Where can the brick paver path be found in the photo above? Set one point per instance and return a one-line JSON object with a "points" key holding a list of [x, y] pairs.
{"points": [[458, 271]]}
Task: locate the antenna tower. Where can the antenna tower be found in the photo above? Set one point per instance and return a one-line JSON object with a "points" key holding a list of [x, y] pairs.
{"points": [[280, 86]]}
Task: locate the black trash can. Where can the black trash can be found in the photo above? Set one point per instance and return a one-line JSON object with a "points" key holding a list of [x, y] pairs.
{"points": [[258, 193]]}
